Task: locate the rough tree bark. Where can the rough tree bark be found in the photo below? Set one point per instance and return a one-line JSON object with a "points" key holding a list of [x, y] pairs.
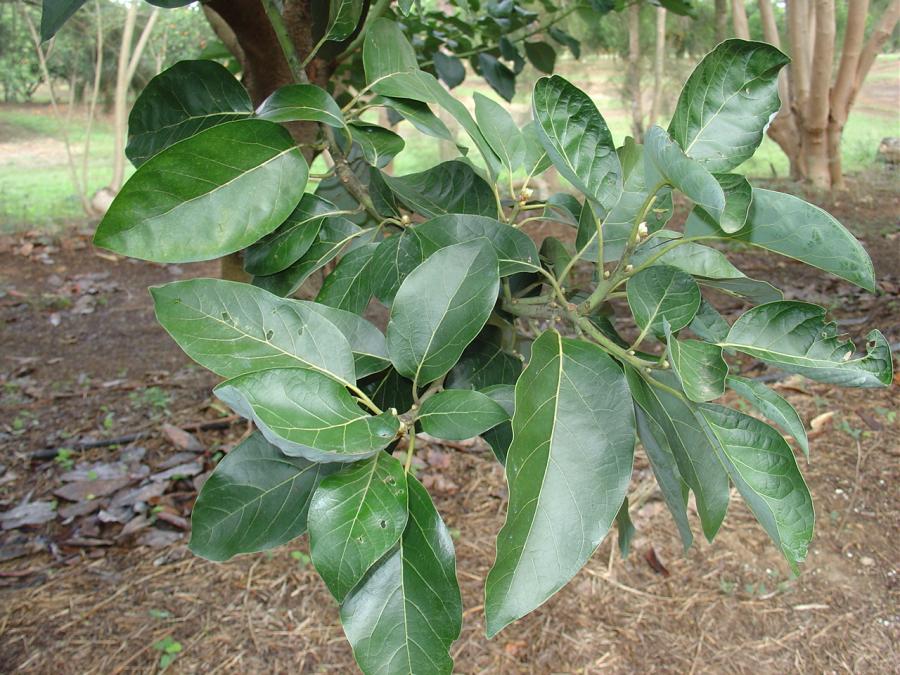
{"points": [[634, 72]]}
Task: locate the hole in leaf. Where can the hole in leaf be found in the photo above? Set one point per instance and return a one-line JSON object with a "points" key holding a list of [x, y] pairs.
{"points": [[383, 524], [226, 317], [269, 334]]}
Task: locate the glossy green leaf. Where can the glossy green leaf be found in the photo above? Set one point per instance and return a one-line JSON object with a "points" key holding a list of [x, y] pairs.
{"points": [[765, 472], [500, 131], [55, 13], [555, 255], [366, 341], [686, 175], [349, 286], [788, 225], [395, 257], [500, 436], [390, 390], [334, 234], [661, 293], [795, 337], [254, 500], [379, 145], [675, 426], [449, 187], [355, 517], [308, 414], [708, 324], [727, 103], [773, 406], [484, 363], [343, 16], [419, 115], [576, 139], [541, 55], [233, 328], [625, 529], [665, 470], [407, 612], [282, 248], [568, 469], [515, 250], [440, 308], [301, 103], [699, 366], [738, 195], [189, 202], [458, 414], [182, 101]]}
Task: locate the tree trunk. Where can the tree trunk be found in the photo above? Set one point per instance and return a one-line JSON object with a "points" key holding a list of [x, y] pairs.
{"points": [[721, 12], [659, 62], [120, 100], [817, 110], [634, 71], [739, 19]]}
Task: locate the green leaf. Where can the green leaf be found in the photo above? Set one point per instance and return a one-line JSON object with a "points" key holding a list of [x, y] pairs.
{"points": [[355, 517], [708, 324], [189, 202], [675, 426], [788, 225], [255, 499], [500, 436], [515, 249], [568, 469], [449, 68], [484, 363], [390, 390], [691, 258], [334, 234], [500, 131], [55, 13], [386, 51], [564, 38], [349, 286], [496, 74], [665, 470], [233, 328], [343, 16], [686, 175], [738, 196], [282, 248], [419, 115], [440, 308], [458, 414], [301, 103], [366, 341], [536, 159], [403, 617], [555, 255], [625, 529], [541, 55], [449, 187], [662, 293], [308, 414], [182, 101], [395, 257], [755, 291], [379, 145], [727, 103], [699, 366], [795, 337], [765, 472], [576, 139], [773, 406]]}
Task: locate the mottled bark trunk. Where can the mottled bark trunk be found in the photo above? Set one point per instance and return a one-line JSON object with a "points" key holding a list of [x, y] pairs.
{"points": [[817, 110]]}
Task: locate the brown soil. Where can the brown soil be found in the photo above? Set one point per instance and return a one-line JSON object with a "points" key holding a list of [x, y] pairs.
{"points": [[732, 606]]}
